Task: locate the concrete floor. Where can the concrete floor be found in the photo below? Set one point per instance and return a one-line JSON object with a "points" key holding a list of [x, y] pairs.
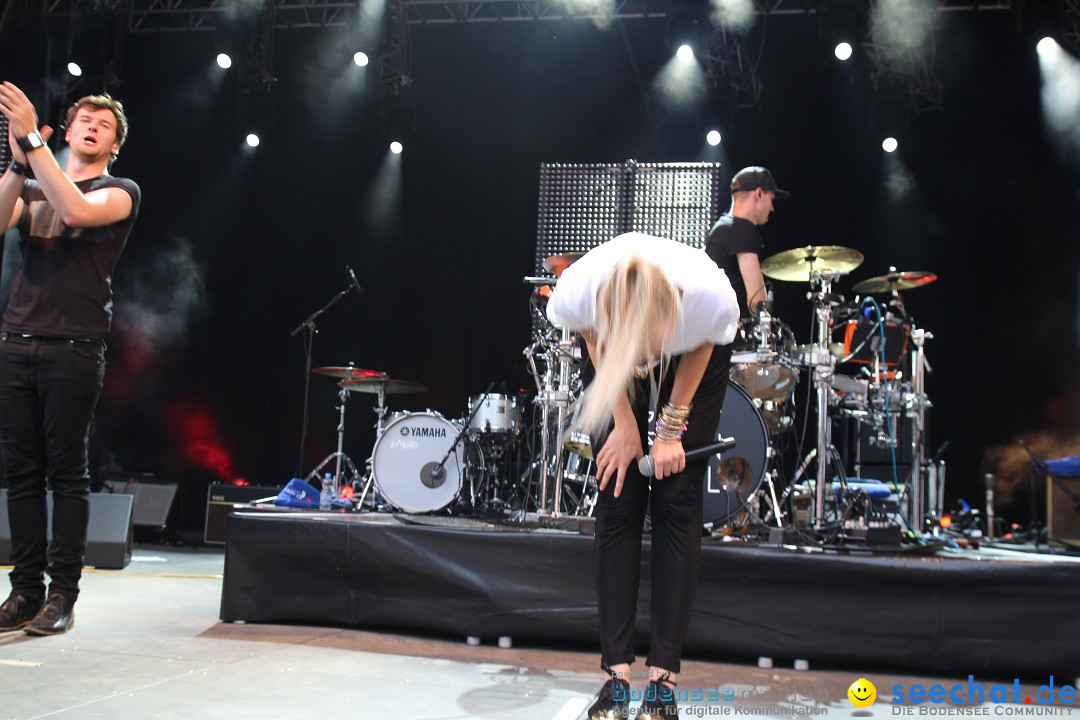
{"points": [[147, 644]]}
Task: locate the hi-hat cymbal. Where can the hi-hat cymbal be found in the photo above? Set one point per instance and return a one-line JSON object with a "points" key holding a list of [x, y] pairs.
{"points": [[796, 265], [390, 387], [347, 372], [895, 281], [558, 263]]}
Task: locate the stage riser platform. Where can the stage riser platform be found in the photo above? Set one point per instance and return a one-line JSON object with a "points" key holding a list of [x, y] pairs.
{"points": [[926, 613]]}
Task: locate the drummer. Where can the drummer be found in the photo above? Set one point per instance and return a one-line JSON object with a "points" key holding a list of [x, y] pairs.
{"points": [[734, 242]]}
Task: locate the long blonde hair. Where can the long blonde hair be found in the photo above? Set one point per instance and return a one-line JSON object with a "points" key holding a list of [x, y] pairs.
{"points": [[634, 302]]}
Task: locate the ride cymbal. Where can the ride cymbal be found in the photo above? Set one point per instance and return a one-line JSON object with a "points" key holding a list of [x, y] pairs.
{"points": [[797, 264], [347, 372], [895, 281], [375, 385]]}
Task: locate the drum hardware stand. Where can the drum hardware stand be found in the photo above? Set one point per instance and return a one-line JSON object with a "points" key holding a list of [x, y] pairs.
{"points": [[558, 399], [775, 509], [339, 455], [917, 412], [823, 364]]}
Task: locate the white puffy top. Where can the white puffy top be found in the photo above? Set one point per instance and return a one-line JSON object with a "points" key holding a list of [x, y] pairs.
{"points": [[709, 311]]}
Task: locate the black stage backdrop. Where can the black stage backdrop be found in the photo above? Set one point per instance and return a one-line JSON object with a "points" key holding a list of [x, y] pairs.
{"points": [[233, 249]]}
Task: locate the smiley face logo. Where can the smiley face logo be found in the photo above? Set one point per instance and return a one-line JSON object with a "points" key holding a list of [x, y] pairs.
{"points": [[862, 693]]}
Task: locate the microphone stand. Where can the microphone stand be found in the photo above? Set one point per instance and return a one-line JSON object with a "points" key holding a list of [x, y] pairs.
{"points": [[436, 472], [308, 326]]}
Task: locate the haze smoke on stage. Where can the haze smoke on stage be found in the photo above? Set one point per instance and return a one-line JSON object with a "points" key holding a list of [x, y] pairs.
{"points": [[333, 83], [156, 303], [601, 12], [899, 183], [1012, 464], [681, 85], [240, 10], [737, 15], [1061, 96], [382, 203], [903, 30], [370, 22]]}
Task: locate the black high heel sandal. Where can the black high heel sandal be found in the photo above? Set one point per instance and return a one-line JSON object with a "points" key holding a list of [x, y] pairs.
{"points": [[613, 702], [659, 701]]}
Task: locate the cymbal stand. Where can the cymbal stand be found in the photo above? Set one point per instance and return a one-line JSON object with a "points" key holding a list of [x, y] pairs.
{"points": [[917, 406], [557, 399], [824, 365], [339, 455], [380, 427]]}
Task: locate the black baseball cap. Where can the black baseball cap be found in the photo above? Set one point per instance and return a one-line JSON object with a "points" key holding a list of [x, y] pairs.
{"points": [[754, 177]]}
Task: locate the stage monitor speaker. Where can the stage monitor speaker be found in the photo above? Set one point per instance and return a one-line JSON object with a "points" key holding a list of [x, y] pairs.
{"points": [[220, 500], [108, 538], [1063, 516], [153, 499]]}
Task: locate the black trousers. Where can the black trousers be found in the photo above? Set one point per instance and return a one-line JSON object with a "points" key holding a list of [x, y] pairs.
{"points": [[48, 391], [675, 508]]}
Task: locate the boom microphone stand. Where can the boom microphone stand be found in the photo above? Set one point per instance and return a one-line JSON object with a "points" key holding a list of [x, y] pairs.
{"points": [[309, 329]]}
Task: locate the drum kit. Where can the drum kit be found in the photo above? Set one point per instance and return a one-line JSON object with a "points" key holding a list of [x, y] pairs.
{"points": [[866, 363]]}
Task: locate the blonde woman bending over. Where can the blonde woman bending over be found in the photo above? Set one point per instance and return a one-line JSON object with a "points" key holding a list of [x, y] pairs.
{"points": [[659, 314]]}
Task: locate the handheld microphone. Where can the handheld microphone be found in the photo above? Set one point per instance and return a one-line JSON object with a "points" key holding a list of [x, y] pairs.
{"points": [[645, 464], [352, 281]]}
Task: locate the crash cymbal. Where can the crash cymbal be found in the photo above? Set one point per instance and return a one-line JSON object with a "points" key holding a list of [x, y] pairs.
{"points": [[347, 372], [558, 263], [385, 384], [797, 264], [895, 281]]}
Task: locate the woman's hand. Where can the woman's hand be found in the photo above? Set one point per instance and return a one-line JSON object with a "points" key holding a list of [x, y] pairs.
{"points": [[622, 447], [668, 458]]}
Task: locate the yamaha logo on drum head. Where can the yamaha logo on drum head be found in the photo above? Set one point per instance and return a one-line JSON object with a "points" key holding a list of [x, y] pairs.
{"points": [[425, 432]]}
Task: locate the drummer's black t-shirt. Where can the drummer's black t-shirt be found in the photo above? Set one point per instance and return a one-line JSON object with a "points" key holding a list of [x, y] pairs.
{"points": [[729, 236]]}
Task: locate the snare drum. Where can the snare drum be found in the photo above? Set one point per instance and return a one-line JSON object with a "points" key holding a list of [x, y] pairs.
{"points": [[496, 415], [404, 455], [738, 473], [763, 358]]}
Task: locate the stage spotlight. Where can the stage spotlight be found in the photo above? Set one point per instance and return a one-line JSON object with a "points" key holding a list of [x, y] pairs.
{"points": [[685, 53], [224, 61], [252, 140], [713, 138], [74, 69], [361, 59], [841, 25], [889, 144], [1046, 46], [396, 147]]}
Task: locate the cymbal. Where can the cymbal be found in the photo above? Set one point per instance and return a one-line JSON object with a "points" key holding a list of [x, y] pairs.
{"points": [[796, 265], [347, 373], [558, 263], [895, 281], [390, 387]]}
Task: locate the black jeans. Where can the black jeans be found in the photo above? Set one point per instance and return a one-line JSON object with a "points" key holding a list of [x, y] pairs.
{"points": [[675, 505], [48, 390]]}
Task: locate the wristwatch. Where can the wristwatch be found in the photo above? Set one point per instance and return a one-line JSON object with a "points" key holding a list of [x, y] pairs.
{"points": [[31, 142]]}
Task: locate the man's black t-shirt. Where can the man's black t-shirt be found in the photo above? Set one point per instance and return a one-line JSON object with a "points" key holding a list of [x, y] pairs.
{"points": [[729, 236], [64, 287]]}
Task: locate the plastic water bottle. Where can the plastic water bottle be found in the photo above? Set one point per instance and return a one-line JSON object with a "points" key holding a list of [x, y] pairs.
{"points": [[326, 496]]}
